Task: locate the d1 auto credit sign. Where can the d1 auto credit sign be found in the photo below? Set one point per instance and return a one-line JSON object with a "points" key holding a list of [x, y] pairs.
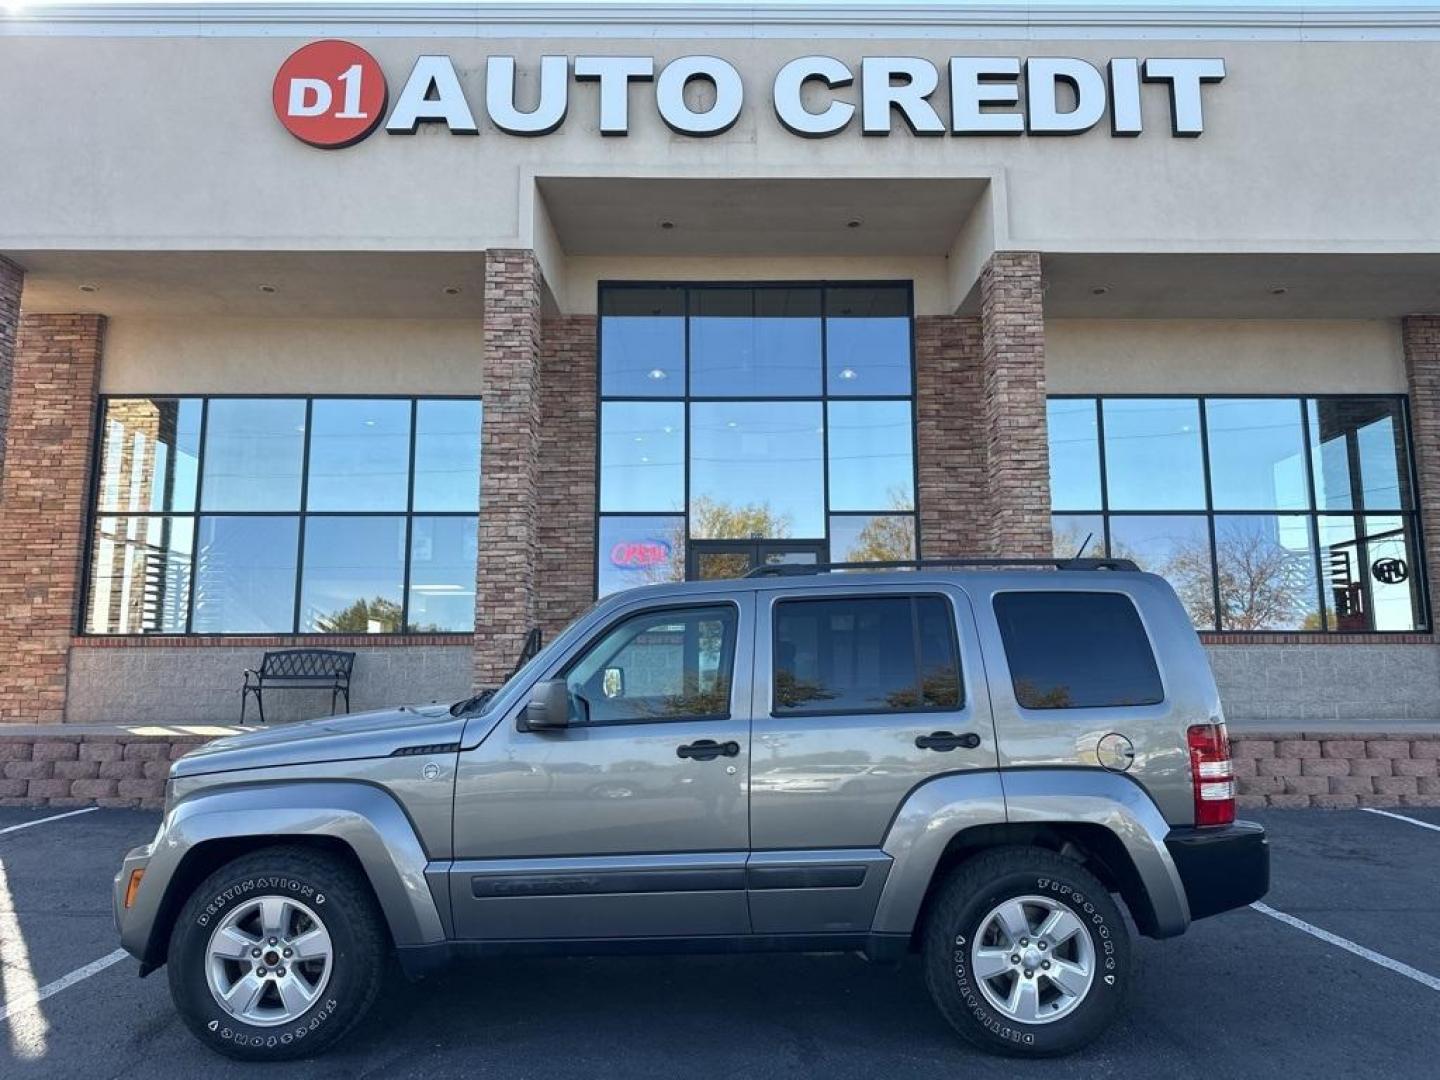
{"points": [[330, 94]]}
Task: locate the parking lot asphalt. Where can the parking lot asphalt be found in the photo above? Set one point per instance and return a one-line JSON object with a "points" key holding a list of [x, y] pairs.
{"points": [[1239, 995]]}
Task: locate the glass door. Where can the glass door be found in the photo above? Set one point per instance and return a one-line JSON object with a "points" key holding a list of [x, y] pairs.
{"points": [[711, 559]]}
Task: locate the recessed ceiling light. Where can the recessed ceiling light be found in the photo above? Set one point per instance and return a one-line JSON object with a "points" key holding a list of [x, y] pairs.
{"points": [[853, 223], [1099, 290], [452, 290], [848, 373], [667, 224], [656, 373], [1278, 290], [89, 288], [268, 289]]}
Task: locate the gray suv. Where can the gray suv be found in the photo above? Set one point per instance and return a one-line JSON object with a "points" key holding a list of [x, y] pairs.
{"points": [[975, 763]]}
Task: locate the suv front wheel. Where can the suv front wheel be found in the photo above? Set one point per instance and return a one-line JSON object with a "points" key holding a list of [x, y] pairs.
{"points": [[1026, 953], [277, 954]]}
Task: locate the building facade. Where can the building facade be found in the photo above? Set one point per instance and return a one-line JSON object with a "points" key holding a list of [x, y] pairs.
{"points": [[491, 309]]}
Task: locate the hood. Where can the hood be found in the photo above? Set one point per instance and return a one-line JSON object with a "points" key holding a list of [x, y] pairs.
{"points": [[333, 738]]}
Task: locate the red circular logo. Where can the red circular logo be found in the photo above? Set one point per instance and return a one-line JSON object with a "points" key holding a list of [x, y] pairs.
{"points": [[330, 94]]}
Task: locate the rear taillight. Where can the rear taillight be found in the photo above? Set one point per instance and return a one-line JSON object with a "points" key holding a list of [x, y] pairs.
{"points": [[1212, 774]]}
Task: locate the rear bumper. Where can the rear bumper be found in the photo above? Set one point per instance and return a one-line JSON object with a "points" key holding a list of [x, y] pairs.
{"points": [[1221, 867]]}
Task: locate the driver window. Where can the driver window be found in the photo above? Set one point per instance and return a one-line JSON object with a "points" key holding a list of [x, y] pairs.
{"points": [[658, 665]]}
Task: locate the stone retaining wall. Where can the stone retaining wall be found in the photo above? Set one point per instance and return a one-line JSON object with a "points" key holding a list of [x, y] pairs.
{"points": [[1336, 771], [127, 766]]}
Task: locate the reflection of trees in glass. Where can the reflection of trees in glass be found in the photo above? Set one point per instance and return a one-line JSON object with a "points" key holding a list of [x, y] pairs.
{"points": [[356, 618], [794, 693], [1031, 696], [716, 520], [884, 538], [1262, 584], [939, 688], [1070, 541]]}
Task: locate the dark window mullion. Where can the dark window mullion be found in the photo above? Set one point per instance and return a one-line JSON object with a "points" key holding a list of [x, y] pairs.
{"points": [[304, 505], [404, 626], [1210, 512], [199, 507]]}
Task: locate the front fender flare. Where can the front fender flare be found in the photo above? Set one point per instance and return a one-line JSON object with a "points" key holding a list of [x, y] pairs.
{"points": [[365, 818]]}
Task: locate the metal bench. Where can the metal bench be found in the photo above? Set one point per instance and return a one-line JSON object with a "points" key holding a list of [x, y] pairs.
{"points": [[299, 669]]}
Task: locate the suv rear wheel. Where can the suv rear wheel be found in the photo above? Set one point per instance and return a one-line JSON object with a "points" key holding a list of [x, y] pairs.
{"points": [[1026, 953], [277, 954]]}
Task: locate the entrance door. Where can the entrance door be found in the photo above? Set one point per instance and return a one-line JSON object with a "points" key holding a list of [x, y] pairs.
{"points": [[710, 559]]}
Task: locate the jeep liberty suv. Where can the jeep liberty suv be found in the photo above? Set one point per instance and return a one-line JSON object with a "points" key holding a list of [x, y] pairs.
{"points": [[979, 763]]}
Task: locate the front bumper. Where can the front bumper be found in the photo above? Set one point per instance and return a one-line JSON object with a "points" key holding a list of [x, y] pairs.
{"points": [[1221, 867], [134, 923]]}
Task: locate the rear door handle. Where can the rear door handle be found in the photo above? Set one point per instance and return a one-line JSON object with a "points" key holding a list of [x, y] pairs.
{"points": [[707, 750], [946, 740]]}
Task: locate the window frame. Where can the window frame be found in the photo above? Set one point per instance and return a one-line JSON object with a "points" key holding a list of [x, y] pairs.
{"points": [[1411, 516], [409, 513], [685, 287], [913, 596], [584, 648]]}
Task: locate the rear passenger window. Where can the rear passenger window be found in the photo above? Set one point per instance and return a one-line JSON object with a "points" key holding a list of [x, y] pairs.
{"points": [[1076, 650], [878, 654]]}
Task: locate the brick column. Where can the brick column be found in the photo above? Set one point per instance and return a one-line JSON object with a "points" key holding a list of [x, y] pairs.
{"points": [[505, 600], [949, 418], [44, 495], [1012, 347], [566, 529], [1422, 373], [12, 283]]}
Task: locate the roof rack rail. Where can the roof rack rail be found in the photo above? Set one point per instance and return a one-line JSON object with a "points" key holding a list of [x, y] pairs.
{"points": [[801, 569]]}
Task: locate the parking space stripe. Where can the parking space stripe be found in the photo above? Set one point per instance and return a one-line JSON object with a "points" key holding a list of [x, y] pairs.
{"points": [[27, 1001], [1349, 946], [43, 820], [1402, 817]]}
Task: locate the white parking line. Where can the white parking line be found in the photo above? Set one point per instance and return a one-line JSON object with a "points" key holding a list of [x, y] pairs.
{"points": [[1402, 817], [43, 820], [34, 997], [1349, 946]]}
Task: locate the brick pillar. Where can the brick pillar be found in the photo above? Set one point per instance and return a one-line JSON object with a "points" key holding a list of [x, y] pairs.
{"points": [[949, 399], [1012, 348], [44, 493], [1422, 373], [12, 283], [566, 529], [505, 600]]}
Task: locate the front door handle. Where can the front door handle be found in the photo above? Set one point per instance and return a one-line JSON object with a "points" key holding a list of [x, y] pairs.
{"points": [[707, 750], [945, 741]]}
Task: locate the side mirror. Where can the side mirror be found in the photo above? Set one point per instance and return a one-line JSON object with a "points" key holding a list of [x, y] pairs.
{"points": [[548, 708]]}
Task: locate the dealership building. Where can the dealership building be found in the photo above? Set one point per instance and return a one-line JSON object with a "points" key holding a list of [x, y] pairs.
{"points": [[405, 328]]}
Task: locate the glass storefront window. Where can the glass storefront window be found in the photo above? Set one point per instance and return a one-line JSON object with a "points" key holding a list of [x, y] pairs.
{"points": [[642, 456], [149, 456], [872, 537], [757, 469], [794, 421], [443, 553], [637, 550], [1074, 433], [254, 454], [1279, 543], [341, 473], [447, 455], [1152, 453], [755, 342], [140, 575], [1257, 454], [353, 575], [359, 455], [245, 575], [872, 460], [642, 343]]}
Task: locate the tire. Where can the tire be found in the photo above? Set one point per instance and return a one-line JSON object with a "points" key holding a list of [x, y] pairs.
{"points": [[968, 957], [324, 998]]}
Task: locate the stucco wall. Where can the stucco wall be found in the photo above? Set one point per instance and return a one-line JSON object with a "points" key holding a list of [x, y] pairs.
{"points": [[277, 356], [1161, 356], [170, 142]]}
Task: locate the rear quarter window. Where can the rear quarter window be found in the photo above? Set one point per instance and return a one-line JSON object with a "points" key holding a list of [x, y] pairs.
{"points": [[1076, 650]]}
